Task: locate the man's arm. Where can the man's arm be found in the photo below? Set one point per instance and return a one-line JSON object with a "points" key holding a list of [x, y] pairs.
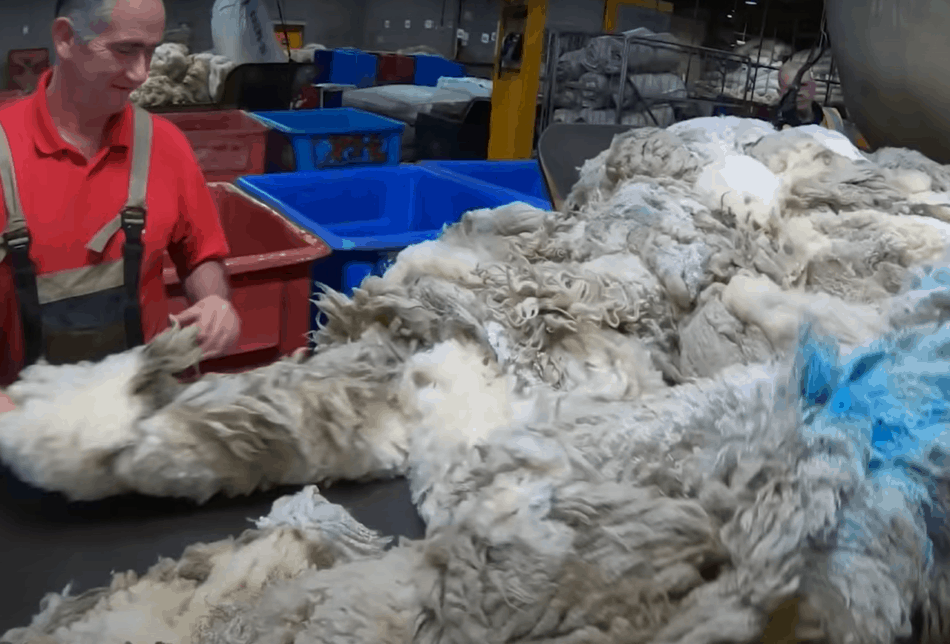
{"points": [[5, 403], [197, 247], [207, 288], [208, 278]]}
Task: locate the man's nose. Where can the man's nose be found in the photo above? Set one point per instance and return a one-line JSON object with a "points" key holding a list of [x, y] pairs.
{"points": [[138, 72]]}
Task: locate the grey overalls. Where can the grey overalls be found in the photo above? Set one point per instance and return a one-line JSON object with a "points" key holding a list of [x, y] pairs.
{"points": [[90, 312]]}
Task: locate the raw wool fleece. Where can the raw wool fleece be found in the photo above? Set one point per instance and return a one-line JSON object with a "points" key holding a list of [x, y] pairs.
{"points": [[175, 601], [646, 279], [288, 423], [580, 498], [716, 512], [707, 199], [176, 77], [647, 252]]}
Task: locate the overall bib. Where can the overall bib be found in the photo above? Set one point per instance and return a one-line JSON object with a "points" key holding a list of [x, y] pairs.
{"points": [[90, 312]]}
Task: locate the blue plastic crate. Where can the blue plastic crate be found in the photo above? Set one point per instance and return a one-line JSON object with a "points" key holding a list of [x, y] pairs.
{"points": [[429, 69], [328, 138], [521, 176], [367, 215], [345, 67]]}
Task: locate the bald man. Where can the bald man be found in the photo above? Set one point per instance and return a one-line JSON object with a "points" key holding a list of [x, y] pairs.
{"points": [[95, 191], [807, 111]]}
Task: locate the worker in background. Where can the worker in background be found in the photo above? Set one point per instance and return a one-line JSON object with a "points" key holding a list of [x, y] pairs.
{"points": [[94, 192], [807, 111]]}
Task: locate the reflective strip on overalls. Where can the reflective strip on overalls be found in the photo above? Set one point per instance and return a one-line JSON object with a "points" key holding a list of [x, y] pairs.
{"points": [[832, 120], [90, 312]]}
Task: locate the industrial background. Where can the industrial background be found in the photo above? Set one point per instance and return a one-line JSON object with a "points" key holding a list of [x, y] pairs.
{"points": [[586, 257], [389, 25]]}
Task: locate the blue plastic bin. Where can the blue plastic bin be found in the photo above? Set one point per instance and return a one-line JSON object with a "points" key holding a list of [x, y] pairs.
{"points": [[305, 140], [521, 176], [345, 67], [367, 215], [429, 69]]}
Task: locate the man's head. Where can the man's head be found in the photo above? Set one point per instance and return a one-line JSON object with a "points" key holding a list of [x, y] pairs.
{"points": [[105, 47], [808, 90]]}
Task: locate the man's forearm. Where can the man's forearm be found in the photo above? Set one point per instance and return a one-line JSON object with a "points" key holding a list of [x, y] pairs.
{"points": [[207, 279]]}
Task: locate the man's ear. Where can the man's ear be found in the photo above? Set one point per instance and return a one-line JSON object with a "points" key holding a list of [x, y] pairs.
{"points": [[64, 38]]}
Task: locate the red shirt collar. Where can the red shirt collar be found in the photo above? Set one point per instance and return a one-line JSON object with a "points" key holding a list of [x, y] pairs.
{"points": [[46, 136]]}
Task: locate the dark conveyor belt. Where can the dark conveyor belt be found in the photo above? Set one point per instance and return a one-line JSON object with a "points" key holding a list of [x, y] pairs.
{"points": [[564, 147], [46, 542]]}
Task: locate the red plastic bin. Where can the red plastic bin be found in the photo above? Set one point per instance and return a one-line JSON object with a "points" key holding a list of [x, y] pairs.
{"points": [[270, 276], [393, 69], [228, 143]]}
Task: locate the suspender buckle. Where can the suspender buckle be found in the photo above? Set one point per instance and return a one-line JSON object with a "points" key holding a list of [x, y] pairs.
{"points": [[133, 216], [18, 240]]}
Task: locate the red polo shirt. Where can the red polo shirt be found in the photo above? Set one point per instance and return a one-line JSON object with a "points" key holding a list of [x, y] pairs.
{"points": [[67, 199]]}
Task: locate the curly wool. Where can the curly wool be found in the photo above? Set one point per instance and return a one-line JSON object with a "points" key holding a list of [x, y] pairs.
{"points": [[579, 497], [179, 78], [178, 601], [289, 423]]}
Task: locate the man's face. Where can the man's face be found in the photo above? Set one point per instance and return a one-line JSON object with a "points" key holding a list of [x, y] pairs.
{"points": [[116, 62]]}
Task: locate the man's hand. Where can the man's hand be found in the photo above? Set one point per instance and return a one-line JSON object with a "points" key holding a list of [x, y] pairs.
{"points": [[5, 403], [218, 324]]}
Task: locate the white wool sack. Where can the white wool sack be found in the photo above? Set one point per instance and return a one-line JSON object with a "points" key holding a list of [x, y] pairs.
{"points": [[242, 30]]}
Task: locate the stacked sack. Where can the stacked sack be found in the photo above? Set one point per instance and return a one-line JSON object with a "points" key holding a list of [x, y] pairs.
{"points": [[824, 77], [588, 88], [756, 80], [177, 77]]}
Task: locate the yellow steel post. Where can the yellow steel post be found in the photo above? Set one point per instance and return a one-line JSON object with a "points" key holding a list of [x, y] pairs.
{"points": [[515, 88], [611, 7]]}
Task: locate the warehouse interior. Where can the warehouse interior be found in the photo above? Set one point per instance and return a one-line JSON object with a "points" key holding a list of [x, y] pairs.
{"points": [[361, 23], [533, 322]]}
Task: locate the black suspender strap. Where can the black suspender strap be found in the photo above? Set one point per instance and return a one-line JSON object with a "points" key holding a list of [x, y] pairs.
{"points": [[133, 217]]}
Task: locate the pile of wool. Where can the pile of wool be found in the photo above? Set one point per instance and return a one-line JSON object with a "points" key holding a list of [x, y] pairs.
{"points": [[133, 427], [579, 496], [798, 500], [727, 211], [178, 78], [126, 424], [668, 265], [174, 600]]}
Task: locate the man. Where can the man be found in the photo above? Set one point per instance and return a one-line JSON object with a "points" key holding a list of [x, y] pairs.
{"points": [[807, 111], [102, 189]]}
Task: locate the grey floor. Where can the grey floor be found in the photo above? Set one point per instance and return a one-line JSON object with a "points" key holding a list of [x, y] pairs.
{"points": [[46, 543]]}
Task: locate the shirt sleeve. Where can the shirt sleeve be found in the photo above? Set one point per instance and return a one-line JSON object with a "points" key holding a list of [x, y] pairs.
{"points": [[198, 235]]}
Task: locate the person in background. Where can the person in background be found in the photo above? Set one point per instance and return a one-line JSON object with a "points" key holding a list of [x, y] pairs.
{"points": [[95, 191], [807, 111]]}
